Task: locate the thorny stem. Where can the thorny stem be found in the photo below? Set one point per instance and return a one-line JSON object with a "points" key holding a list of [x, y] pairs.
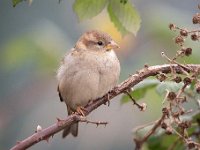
{"points": [[121, 88]]}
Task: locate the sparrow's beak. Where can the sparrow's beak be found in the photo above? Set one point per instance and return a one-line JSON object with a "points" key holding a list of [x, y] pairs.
{"points": [[112, 45]]}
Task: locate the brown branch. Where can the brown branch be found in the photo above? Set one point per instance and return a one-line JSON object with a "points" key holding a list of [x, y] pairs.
{"points": [[134, 79], [140, 142]]}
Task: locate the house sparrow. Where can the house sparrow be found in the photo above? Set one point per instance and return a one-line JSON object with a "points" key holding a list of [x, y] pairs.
{"points": [[87, 72]]}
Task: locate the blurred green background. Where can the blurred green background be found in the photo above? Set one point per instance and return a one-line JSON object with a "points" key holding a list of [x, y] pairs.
{"points": [[33, 40]]}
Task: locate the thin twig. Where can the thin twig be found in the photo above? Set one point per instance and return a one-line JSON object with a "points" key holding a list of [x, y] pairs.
{"points": [[134, 101], [84, 119]]}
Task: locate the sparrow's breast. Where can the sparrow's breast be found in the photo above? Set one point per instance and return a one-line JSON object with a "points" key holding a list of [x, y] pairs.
{"points": [[109, 72]]}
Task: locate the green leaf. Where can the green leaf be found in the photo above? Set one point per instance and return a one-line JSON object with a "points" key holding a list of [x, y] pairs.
{"points": [[86, 9], [163, 142], [140, 90], [124, 16], [116, 21], [15, 2], [196, 118], [192, 85], [159, 140], [168, 85]]}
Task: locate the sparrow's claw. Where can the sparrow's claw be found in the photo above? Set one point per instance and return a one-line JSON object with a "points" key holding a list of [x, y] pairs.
{"points": [[107, 96], [80, 110]]}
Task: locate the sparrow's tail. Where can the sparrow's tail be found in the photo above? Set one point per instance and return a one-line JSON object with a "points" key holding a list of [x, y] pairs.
{"points": [[73, 129]]}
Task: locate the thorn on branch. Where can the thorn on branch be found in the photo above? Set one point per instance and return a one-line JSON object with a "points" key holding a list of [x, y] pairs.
{"points": [[146, 66], [38, 129], [60, 122]]}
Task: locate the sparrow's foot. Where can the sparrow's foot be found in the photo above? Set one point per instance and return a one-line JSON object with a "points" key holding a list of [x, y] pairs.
{"points": [[80, 110], [107, 96]]}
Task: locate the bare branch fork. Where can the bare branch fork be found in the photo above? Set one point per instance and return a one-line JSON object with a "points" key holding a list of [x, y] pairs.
{"points": [[45, 134]]}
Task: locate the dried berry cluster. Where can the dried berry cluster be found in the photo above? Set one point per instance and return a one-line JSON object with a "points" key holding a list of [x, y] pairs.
{"points": [[172, 121], [185, 33], [173, 110]]}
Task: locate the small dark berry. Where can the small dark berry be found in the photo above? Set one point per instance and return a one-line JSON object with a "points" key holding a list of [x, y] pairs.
{"points": [[197, 87], [179, 40], [185, 124], [184, 32], [187, 80], [191, 145], [171, 95], [172, 26], [165, 111], [194, 37], [198, 90], [188, 51], [196, 19], [163, 125], [177, 79]]}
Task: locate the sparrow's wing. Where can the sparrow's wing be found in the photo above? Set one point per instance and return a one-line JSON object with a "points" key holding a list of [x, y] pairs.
{"points": [[60, 73], [73, 129], [60, 96]]}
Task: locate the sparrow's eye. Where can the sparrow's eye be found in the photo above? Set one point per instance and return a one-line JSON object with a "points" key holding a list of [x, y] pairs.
{"points": [[100, 43]]}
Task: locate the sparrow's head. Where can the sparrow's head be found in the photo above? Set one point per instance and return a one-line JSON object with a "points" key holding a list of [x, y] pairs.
{"points": [[96, 41]]}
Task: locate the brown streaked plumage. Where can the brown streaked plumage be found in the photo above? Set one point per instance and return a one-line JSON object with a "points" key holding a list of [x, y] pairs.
{"points": [[87, 72]]}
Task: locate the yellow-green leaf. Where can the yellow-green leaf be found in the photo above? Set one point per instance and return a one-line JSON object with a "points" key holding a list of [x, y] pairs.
{"points": [[162, 88], [15, 2], [124, 16], [140, 90], [86, 9]]}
